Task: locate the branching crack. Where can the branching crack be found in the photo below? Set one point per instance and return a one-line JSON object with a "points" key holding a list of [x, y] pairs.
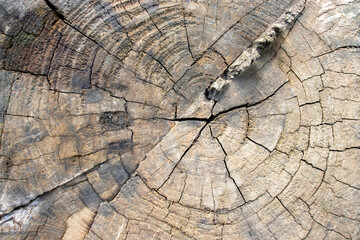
{"points": [[183, 155], [228, 171]]}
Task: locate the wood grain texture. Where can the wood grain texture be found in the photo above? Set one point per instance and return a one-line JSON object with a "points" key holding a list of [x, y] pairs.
{"points": [[108, 130]]}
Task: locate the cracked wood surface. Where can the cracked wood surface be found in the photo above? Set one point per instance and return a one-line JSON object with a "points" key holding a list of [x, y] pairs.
{"points": [[107, 130]]}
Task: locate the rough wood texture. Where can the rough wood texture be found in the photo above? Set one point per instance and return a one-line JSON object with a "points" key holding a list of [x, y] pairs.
{"points": [[155, 119]]}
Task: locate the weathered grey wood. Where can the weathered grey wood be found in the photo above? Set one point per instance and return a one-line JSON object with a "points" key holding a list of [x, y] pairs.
{"points": [[148, 119]]}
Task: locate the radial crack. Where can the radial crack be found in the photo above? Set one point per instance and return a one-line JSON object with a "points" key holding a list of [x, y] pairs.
{"points": [[228, 171], [183, 155], [55, 10]]}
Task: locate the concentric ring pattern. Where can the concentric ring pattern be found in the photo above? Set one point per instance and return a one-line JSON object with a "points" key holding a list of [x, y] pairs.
{"points": [[107, 133]]}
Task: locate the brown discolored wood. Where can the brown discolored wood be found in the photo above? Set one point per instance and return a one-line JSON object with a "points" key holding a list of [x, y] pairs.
{"points": [[109, 130]]}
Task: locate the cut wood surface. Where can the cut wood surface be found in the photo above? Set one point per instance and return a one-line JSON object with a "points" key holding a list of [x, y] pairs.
{"points": [[156, 119]]}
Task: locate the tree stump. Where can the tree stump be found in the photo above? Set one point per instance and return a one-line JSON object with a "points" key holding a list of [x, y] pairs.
{"points": [[155, 119]]}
